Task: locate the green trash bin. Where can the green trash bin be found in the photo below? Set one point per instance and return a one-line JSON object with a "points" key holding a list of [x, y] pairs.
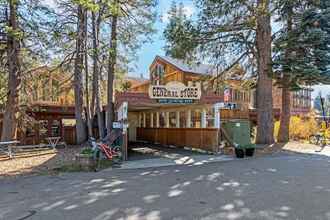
{"points": [[238, 134]]}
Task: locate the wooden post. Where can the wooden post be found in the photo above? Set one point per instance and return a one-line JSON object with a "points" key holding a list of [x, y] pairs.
{"points": [[140, 120], [49, 127], [178, 119], [203, 118], [216, 117], [151, 119], [157, 119], [144, 120], [188, 119], [125, 145], [167, 119]]}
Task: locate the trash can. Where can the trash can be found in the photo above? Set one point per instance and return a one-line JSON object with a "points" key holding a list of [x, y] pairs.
{"points": [[238, 134]]}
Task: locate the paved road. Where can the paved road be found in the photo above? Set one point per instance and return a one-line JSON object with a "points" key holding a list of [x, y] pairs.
{"points": [[275, 187]]}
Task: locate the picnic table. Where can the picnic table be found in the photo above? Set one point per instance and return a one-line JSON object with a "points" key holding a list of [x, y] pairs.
{"points": [[55, 141], [6, 146]]}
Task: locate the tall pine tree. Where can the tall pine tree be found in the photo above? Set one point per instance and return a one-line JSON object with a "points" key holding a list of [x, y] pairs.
{"points": [[301, 51], [231, 32]]}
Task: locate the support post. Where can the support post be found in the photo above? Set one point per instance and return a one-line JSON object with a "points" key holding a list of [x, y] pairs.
{"points": [[144, 120], [140, 120], [178, 119], [167, 119], [157, 119], [217, 117], [188, 119], [203, 118], [151, 119]]}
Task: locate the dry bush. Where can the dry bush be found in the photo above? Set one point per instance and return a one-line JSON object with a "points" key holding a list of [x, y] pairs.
{"points": [[300, 127]]}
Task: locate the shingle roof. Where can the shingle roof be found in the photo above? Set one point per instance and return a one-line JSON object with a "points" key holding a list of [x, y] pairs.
{"points": [[191, 68]]}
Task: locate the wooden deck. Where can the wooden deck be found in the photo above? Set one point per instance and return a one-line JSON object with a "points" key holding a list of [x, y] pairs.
{"points": [[201, 138]]}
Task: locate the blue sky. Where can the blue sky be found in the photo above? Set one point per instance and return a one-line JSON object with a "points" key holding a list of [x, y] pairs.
{"points": [[148, 51]]}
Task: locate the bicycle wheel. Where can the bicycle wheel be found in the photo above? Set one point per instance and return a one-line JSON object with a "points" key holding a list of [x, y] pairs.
{"points": [[314, 139], [322, 141]]}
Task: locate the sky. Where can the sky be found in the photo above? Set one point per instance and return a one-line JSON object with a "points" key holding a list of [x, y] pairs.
{"points": [[148, 51]]}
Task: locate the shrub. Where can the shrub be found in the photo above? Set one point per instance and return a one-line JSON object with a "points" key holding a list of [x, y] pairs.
{"points": [[300, 127]]}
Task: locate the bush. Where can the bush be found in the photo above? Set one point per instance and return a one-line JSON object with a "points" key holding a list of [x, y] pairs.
{"points": [[87, 151], [300, 127]]}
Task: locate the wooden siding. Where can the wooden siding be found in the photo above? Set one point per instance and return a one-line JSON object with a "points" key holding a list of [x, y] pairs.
{"points": [[233, 114], [201, 138]]}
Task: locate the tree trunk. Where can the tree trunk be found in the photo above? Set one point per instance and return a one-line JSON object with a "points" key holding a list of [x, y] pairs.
{"points": [[283, 135], [14, 69], [265, 118], [78, 81], [89, 115], [111, 71], [88, 109], [96, 78], [284, 131]]}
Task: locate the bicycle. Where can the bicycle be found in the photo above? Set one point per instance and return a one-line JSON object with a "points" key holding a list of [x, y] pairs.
{"points": [[322, 138], [102, 151]]}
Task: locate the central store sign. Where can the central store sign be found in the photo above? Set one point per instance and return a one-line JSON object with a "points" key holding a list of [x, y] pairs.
{"points": [[174, 91]]}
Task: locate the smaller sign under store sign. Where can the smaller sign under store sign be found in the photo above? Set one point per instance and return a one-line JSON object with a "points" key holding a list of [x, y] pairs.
{"points": [[175, 101]]}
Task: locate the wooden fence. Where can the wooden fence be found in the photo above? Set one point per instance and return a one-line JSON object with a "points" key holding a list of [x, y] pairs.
{"points": [[201, 138]]}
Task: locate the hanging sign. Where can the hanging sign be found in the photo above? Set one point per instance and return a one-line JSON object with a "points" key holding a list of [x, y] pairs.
{"points": [[226, 95], [122, 111], [226, 105], [175, 90]]}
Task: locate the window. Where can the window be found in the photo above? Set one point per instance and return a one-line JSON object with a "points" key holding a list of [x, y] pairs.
{"points": [[183, 119], [148, 119], [210, 118], [172, 116], [43, 128], [196, 119], [30, 131], [154, 119], [162, 123], [157, 73], [56, 131]]}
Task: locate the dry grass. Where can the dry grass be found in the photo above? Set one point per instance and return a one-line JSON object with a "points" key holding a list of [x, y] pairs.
{"points": [[37, 162]]}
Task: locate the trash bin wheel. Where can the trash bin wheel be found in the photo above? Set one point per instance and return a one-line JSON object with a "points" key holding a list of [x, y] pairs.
{"points": [[239, 153], [249, 152]]}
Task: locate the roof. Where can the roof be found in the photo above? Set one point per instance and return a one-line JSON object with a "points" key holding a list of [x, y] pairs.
{"points": [[190, 68], [136, 81]]}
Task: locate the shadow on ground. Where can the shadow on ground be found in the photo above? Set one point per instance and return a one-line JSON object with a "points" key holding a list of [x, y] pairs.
{"points": [[272, 187]]}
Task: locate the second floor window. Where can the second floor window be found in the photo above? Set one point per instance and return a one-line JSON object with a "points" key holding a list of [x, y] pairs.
{"points": [[157, 73]]}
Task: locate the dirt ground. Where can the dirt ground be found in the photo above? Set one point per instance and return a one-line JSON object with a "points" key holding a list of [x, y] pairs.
{"points": [[36, 162], [294, 147], [46, 161]]}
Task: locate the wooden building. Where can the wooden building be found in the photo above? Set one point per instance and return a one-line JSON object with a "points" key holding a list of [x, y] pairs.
{"points": [[301, 100], [179, 106], [50, 109]]}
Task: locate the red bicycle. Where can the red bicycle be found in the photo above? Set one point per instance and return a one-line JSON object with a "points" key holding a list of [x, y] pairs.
{"points": [[110, 152]]}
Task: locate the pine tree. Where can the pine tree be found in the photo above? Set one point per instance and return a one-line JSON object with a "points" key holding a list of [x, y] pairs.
{"points": [[231, 32], [301, 52], [25, 24], [130, 20], [177, 34]]}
